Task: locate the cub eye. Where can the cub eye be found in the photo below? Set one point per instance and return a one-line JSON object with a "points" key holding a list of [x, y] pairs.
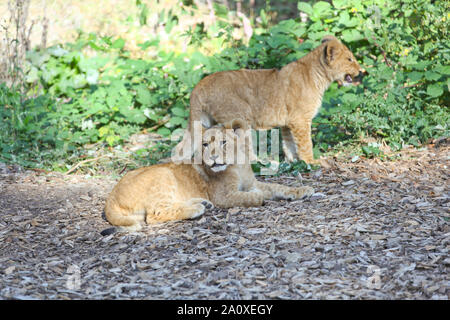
{"points": [[350, 59]]}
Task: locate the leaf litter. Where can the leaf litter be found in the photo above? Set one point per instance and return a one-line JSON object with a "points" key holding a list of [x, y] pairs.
{"points": [[372, 230]]}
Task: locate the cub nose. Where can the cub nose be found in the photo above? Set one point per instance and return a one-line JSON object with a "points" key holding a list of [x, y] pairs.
{"points": [[359, 77], [362, 73]]}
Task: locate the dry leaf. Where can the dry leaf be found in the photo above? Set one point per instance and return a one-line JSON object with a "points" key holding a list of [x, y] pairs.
{"points": [[359, 239]]}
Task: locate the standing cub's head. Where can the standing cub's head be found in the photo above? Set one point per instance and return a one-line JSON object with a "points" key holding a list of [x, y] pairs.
{"points": [[226, 145], [341, 64]]}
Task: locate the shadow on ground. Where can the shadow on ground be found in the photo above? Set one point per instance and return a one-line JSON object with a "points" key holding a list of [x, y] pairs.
{"points": [[374, 230]]}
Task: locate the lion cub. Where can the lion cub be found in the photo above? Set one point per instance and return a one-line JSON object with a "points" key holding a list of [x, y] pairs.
{"points": [[172, 191], [288, 98]]}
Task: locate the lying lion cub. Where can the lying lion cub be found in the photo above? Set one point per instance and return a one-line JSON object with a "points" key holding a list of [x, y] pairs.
{"points": [[289, 98], [172, 191]]}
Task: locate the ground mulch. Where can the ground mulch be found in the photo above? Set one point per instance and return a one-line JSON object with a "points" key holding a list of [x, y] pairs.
{"points": [[373, 230]]}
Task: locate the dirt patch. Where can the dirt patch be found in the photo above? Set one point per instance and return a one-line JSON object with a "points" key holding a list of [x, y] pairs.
{"points": [[377, 230]]}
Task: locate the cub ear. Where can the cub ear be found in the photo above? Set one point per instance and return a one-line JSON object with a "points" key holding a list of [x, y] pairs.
{"points": [[330, 51], [328, 37], [238, 124], [207, 120]]}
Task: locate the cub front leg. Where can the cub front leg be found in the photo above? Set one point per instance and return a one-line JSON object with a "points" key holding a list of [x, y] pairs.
{"points": [[301, 132], [274, 191], [252, 198]]}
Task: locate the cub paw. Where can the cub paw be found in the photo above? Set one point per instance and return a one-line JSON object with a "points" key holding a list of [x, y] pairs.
{"points": [[314, 162], [298, 193], [196, 210], [207, 204], [198, 207], [257, 196], [289, 156], [304, 192]]}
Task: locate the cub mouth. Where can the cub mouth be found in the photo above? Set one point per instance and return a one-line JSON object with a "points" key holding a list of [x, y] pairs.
{"points": [[217, 167], [348, 78]]}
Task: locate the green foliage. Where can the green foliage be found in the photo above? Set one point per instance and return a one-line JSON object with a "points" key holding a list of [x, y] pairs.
{"points": [[404, 47], [371, 150], [93, 91], [30, 132], [294, 168]]}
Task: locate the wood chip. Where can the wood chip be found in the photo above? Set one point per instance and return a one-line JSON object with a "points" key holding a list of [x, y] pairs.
{"points": [[373, 230]]}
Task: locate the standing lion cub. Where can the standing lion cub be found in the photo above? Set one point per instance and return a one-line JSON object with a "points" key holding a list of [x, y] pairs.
{"points": [[288, 98], [172, 191]]}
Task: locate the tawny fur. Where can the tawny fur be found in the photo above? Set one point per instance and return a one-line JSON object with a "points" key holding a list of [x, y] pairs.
{"points": [[172, 191], [288, 98]]}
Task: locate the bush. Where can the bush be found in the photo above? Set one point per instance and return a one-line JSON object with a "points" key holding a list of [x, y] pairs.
{"points": [[30, 131], [92, 91], [404, 47]]}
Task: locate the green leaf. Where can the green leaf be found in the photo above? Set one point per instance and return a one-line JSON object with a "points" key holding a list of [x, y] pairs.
{"points": [[96, 107], [143, 15], [442, 70], [305, 7], [95, 63], [94, 46], [146, 44], [263, 16], [124, 100], [220, 10], [339, 4], [385, 72], [350, 98], [435, 90], [111, 100], [32, 75], [371, 151], [421, 65], [178, 111], [344, 18], [49, 73], [103, 131], [111, 139], [37, 58], [118, 44], [430, 75], [143, 95], [92, 76], [321, 7], [164, 132], [151, 114], [415, 75], [351, 35], [57, 51], [175, 121], [298, 31], [78, 81]]}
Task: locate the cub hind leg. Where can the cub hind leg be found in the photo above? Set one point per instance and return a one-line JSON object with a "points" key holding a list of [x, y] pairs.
{"points": [[123, 217], [289, 146], [169, 211]]}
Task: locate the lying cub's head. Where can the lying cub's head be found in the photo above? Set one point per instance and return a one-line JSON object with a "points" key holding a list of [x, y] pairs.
{"points": [[342, 65], [226, 145]]}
